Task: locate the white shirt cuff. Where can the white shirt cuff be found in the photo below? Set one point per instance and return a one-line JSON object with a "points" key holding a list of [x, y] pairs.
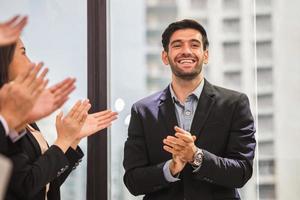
{"points": [[15, 136]]}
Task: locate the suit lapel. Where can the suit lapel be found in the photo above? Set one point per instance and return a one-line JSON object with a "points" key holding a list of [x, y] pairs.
{"points": [[167, 111], [203, 109]]}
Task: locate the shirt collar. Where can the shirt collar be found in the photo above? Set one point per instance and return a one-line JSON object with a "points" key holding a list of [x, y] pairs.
{"points": [[197, 92]]}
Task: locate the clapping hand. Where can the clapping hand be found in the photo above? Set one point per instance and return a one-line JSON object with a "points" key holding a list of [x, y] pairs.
{"points": [[10, 31], [181, 147], [51, 99], [97, 121], [19, 96], [68, 127]]}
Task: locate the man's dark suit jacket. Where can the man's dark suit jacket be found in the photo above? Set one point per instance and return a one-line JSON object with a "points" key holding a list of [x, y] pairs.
{"points": [[224, 127], [32, 170]]}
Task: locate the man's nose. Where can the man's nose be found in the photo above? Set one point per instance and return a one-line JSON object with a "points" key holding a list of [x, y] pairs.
{"points": [[186, 49]]}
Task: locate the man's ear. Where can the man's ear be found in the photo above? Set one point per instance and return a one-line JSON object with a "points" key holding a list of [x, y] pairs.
{"points": [[164, 57], [206, 55]]}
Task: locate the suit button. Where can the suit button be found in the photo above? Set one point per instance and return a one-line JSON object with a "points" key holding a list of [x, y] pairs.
{"points": [[207, 179], [75, 165]]}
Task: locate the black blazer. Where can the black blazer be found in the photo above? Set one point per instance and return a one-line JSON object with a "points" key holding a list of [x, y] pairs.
{"points": [[32, 170], [3, 140], [224, 127]]}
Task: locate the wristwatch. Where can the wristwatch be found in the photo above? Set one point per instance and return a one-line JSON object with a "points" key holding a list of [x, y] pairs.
{"points": [[198, 158]]}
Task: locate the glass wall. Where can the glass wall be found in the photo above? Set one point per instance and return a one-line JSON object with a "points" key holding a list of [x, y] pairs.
{"points": [[56, 34]]}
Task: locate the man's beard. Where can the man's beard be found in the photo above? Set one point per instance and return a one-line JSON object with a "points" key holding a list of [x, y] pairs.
{"points": [[185, 75]]}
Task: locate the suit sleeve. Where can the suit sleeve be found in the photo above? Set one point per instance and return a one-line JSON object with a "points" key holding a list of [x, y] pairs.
{"points": [[74, 157], [140, 176], [233, 169], [28, 177]]}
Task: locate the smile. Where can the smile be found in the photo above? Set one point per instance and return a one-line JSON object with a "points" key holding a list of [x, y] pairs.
{"points": [[186, 61]]}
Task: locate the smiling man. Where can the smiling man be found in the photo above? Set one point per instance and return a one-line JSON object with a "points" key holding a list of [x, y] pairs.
{"points": [[193, 140]]}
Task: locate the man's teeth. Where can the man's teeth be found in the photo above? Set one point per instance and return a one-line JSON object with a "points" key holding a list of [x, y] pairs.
{"points": [[186, 61]]}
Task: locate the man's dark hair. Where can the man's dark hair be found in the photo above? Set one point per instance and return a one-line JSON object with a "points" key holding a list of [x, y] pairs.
{"points": [[6, 56], [183, 24]]}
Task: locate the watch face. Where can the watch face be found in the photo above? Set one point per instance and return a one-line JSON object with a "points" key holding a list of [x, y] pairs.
{"points": [[198, 158]]}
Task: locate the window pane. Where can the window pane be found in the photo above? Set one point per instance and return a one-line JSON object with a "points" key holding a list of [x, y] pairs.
{"points": [[231, 52], [231, 4], [264, 50], [264, 77], [265, 101], [263, 23], [233, 80], [262, 3], [266, 167], [199, 4], [266, 122], [267, 191], [231, 25]]}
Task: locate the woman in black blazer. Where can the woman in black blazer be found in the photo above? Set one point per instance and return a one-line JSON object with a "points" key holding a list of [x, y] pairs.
{"points": [[40, 170], [34, 170]]}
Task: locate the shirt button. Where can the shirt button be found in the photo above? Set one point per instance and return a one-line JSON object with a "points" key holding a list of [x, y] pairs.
{"points": [[188, 113]]}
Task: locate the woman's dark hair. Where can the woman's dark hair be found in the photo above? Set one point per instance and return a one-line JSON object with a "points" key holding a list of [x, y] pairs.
{"points": [[183, 24], [6, 56]]}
